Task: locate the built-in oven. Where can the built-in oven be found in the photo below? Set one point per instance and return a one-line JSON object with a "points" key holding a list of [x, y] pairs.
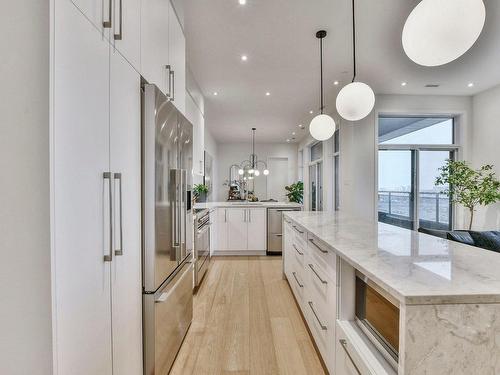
{"points": [[377, 314], [201, 245]]}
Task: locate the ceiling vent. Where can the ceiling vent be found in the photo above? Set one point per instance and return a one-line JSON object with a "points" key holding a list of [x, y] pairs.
{"points": [[432, 85]]}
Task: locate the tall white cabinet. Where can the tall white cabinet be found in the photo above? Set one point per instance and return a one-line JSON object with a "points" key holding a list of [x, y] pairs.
{"points": [[96, 248]]}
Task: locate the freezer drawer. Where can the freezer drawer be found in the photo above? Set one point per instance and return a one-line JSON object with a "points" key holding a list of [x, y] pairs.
{"points": [[275, 228], [167, 316]]}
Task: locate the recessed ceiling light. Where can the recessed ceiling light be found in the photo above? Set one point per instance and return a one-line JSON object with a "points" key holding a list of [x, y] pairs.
{"points": [[244, 57], [311, 112], [288, 140], [242, 2], [471, 84], [336, 83], [216, 93], [301, 126], [404, 83], [293, 133], [268, 93]]}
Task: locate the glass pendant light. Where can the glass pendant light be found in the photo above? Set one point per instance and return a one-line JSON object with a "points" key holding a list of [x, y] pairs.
{"points": [[322, 126], [356, 100], [439, 31]]}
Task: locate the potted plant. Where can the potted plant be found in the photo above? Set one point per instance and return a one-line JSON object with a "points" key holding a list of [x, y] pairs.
{"points": [[200, 192], [469, 187], [295, 192]]}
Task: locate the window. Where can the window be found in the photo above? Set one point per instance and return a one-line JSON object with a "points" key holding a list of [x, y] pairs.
{"points": [[316, 177], [300, 163], [411, 151], [336, 166]]}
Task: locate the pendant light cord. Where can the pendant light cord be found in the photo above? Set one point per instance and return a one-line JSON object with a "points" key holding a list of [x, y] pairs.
{"points": [[353, 42], [321, 74]]}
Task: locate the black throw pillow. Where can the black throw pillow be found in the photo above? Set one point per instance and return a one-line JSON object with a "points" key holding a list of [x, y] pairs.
{"points": [[487, 240], [461, 236]]}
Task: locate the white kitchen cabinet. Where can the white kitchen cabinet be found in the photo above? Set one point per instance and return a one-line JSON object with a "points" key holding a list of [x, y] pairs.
{"points": [[80, 153], [257, 228], [95, 134], [154, 43], [222, 230], [214, 243], [125, 157], [194, 115], [177, 59], [126, 30], [237, 229], [99, 12]]}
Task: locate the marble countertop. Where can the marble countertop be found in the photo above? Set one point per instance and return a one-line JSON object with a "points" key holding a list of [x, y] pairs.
{"points": [[413, 267], [210, 205]]}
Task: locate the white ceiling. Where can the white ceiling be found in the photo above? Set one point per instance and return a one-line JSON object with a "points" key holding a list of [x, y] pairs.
{"points": [[283, 58]]}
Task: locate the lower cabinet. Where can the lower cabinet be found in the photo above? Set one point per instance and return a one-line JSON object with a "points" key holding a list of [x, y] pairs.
{"points": [[240, 230]]}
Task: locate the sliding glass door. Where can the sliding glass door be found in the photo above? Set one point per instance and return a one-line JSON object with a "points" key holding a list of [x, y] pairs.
{"points": [[316, 186]]}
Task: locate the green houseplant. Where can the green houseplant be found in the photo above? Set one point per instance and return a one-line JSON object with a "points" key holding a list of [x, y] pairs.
{"points": [[469, 187], [200, 192], [295, 192]]}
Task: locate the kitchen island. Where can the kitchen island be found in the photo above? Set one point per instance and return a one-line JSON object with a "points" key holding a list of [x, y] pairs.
{"points": [[241, 227], [379, 299]]}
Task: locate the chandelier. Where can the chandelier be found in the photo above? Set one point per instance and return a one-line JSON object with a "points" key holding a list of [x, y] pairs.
{"points": [[249, 169]]}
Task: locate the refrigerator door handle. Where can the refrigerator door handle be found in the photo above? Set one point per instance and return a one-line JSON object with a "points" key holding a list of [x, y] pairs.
{"points": [[109, 256], [183, 216], [118, 177]]}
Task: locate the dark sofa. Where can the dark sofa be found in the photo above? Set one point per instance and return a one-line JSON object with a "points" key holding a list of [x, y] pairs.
{"points": [[489, 240]]}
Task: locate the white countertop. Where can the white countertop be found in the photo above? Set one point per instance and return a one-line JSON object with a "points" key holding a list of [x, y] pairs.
{"points": [[210, 205], [415, 268]]}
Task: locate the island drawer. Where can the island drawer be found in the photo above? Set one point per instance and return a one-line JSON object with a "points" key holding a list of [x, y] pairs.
{"points": [[322, 254]]}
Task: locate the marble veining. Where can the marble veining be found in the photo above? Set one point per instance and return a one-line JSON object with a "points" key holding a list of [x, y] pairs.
{"points": [[237, 204], [415, 268]]}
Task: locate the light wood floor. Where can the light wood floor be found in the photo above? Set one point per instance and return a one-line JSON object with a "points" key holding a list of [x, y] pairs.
{"points": [[246, 322]]}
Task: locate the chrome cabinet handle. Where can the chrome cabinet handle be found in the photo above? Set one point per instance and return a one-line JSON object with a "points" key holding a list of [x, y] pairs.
{"points": [[249, 216], [107, 23], [109, 256], [169, 74], [244, 216], [298, 230], [119, 35], [316, 245], [323, 327], [297, 250], [225, 216], [319, 277], [279, 235], [119, 250], [297, 280], [343, 342]]}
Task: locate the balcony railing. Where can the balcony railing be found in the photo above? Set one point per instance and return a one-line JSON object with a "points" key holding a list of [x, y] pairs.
{"points": [[397, 207]]}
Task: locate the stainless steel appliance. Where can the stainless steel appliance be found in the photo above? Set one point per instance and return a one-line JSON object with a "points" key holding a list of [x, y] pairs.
{"points": [[275, 229], [377, 314], [201, 245], [167, 231]]}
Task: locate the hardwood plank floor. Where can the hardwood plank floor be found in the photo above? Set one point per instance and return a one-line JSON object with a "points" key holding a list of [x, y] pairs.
{"points": [[246, 322]]}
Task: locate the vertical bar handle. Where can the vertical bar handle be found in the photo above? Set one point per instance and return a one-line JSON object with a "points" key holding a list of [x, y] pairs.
{"points": [[107, 23], [172, 74], [169, 75], [120, 11], [118, 177], [109, 256], [343, 342]]}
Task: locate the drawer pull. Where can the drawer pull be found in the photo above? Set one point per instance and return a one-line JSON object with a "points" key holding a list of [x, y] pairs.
{"points": [[343, 342], [298, 230], [297, 280], [297, 250], [319, 248], [319, 277], [323, 327]]}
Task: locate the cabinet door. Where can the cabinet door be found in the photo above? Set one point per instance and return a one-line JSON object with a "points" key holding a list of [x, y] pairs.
{"points": [[125, 156], [80, 195], [177, 59], [213, 231], [154, 42], [127, 30], [257, 228], [99, 12], [221, 242], [237, 228], [193, 114]]}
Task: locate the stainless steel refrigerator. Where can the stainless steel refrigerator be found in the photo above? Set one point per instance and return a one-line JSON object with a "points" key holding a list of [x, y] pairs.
{"points": [[167, 153]]}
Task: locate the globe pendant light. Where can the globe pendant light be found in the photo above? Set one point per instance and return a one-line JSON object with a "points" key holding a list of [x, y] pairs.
{"points": [[322, 126], [440, 31], [356, 100]]}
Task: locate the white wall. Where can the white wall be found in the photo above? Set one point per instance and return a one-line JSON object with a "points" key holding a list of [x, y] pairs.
{"points": [[485, 148], [234, 153], [212, 148], [25, 288]]}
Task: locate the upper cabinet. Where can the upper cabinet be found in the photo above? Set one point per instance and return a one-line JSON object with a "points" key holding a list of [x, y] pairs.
{"points": [[177, 59], [154, 43], [99, 12], [126, 30], [193, 114]]}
